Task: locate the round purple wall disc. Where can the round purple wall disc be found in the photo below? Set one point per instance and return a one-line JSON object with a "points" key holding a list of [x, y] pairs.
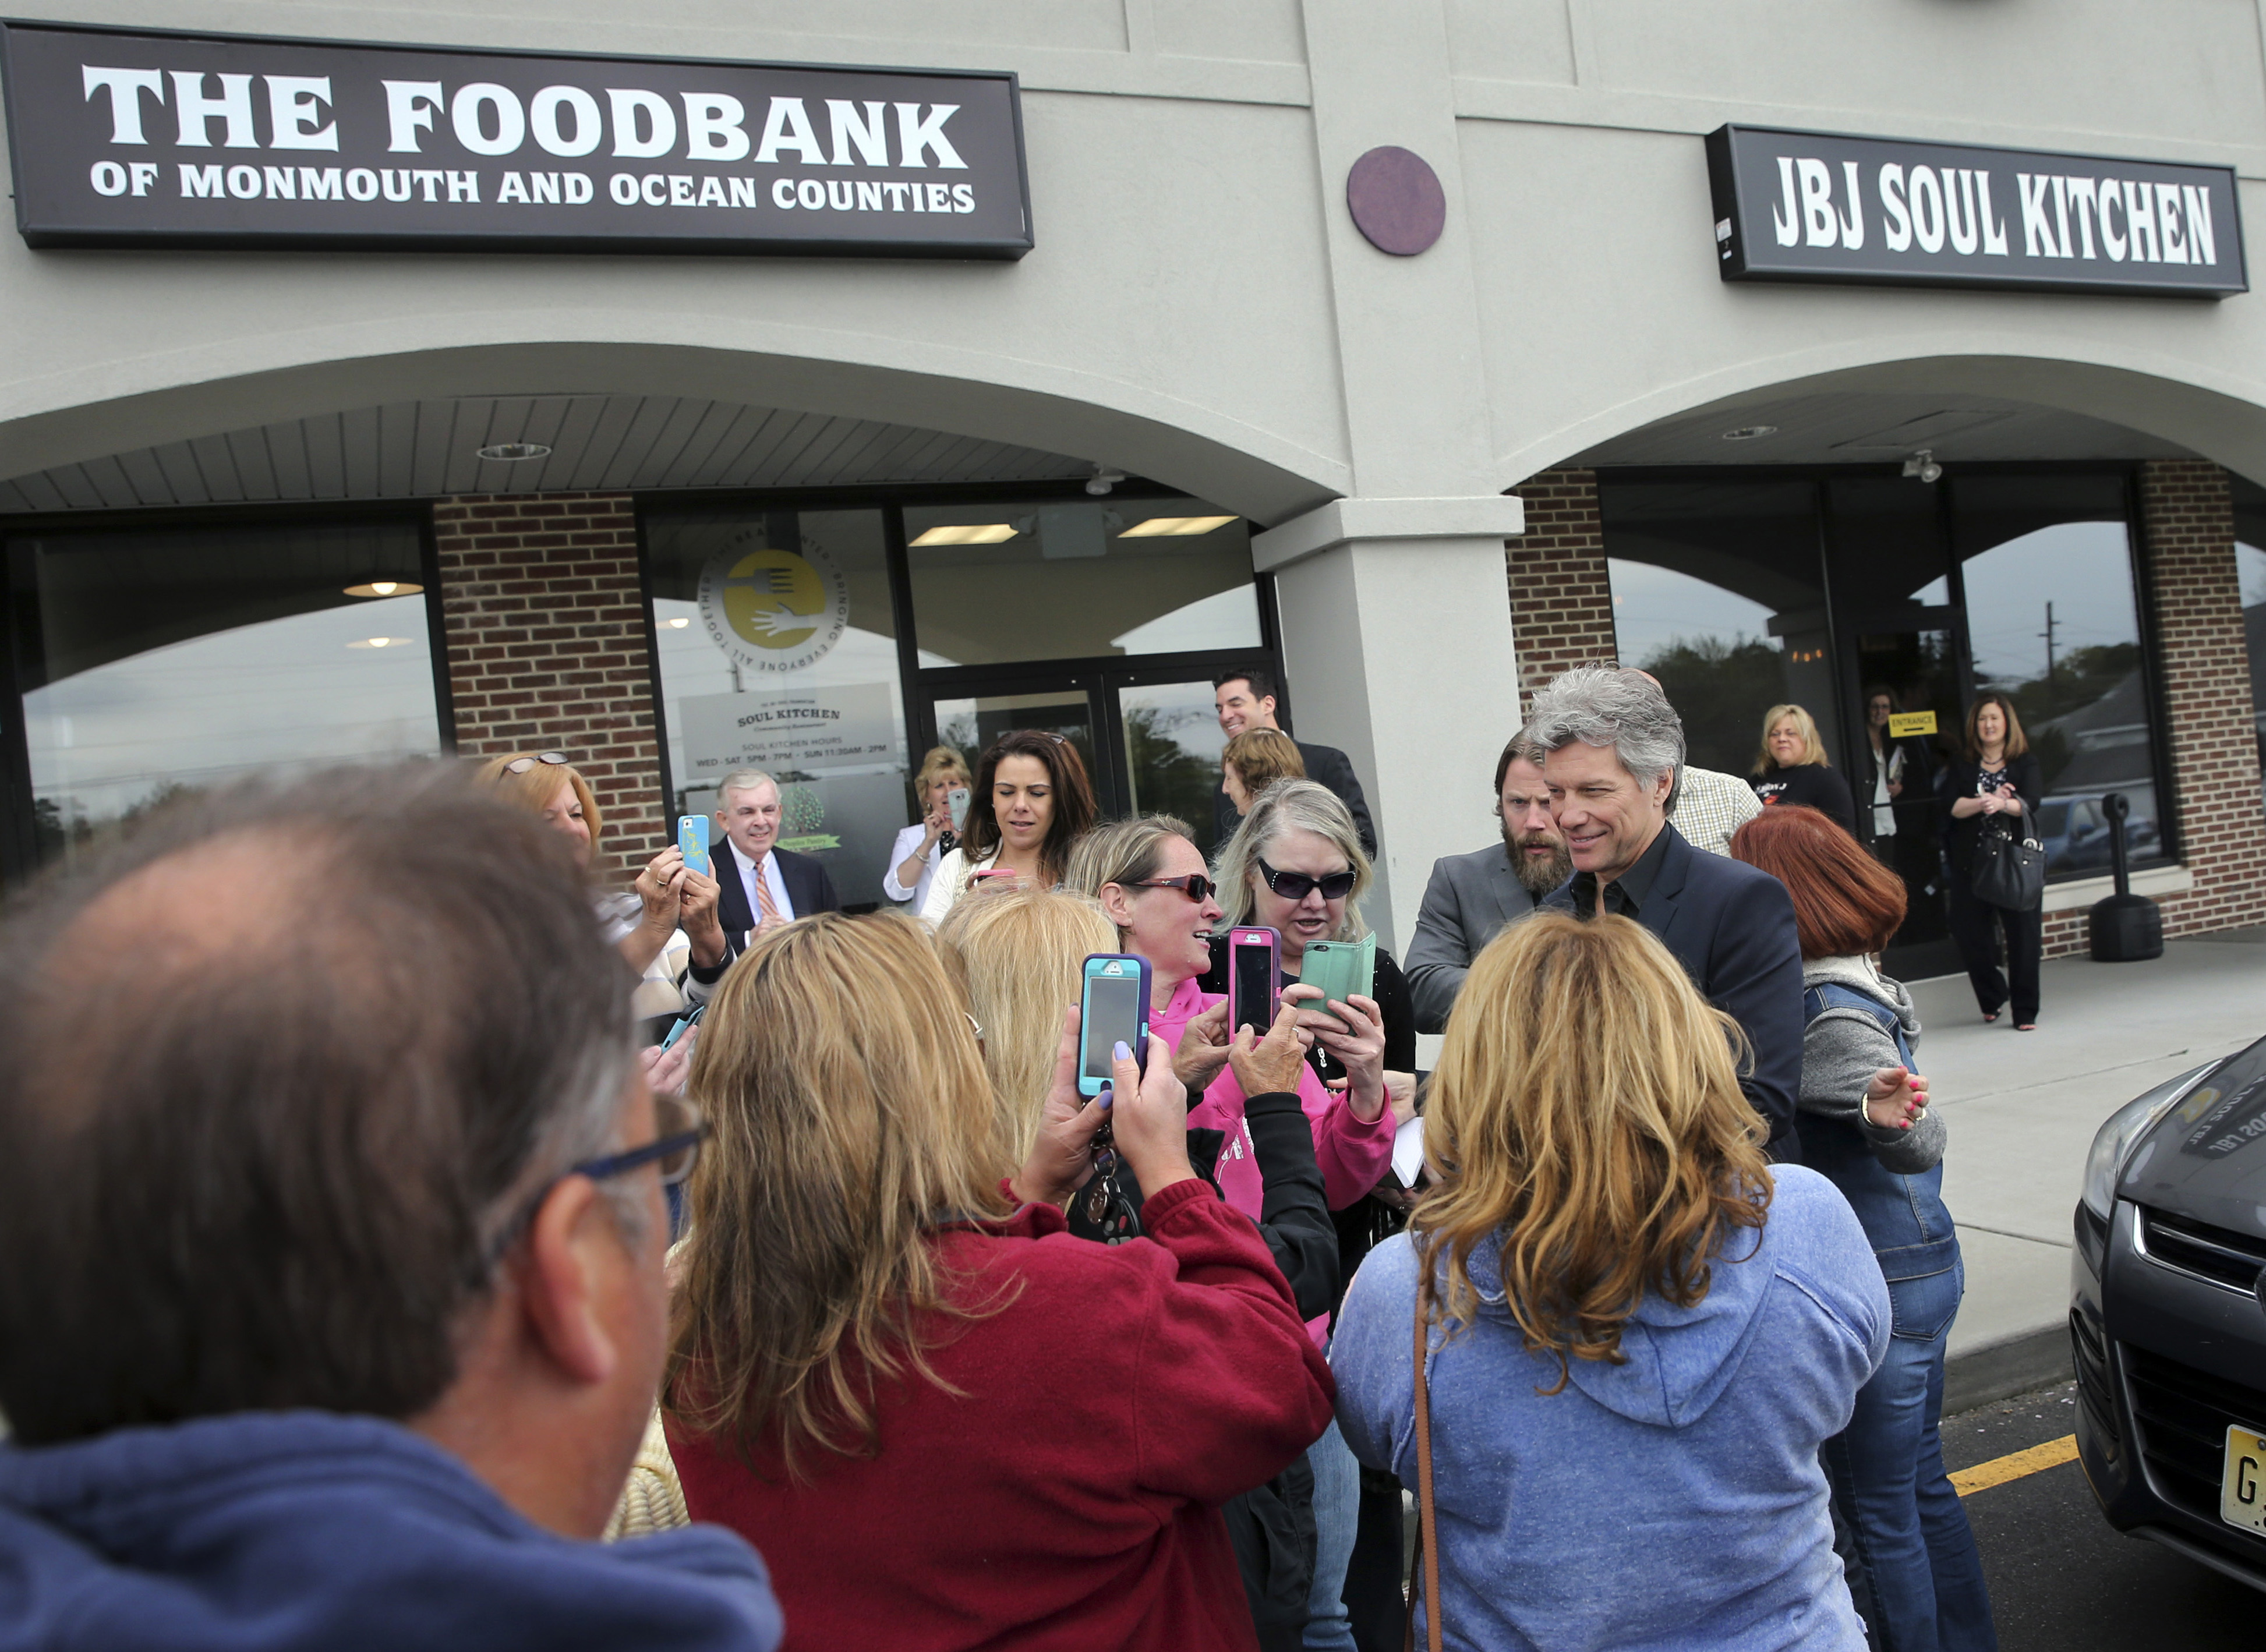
{"points": [[1396, 201]]}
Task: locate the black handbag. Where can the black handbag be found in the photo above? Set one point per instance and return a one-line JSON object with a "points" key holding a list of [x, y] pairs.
{"points": [[2010, 872]]}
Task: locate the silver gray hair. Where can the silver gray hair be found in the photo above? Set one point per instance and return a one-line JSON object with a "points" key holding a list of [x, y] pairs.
{"points": [[1291, 806], [742, 780], [1602, 706]]}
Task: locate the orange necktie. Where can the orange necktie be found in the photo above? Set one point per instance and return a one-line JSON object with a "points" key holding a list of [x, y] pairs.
{"points": [[767, 912]]}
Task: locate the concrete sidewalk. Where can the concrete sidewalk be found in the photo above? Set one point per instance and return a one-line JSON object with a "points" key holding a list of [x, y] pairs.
{"points": [[2022, 1107]]}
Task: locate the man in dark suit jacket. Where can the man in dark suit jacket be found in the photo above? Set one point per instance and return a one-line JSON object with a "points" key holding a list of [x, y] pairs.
{"points": [[1471, 897], [1612, 746], [759, 882], [1245, 699]]}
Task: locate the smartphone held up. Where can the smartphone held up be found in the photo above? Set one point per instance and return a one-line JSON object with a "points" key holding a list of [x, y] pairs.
{"points": [[1254, 972], [1113, 1010]]}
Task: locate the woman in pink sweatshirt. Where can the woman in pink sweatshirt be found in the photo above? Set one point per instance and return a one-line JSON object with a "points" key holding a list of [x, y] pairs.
{"points": [[1152, 879]]}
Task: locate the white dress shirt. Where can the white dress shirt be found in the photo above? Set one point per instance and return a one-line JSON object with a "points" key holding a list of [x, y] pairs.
{"points": [[770, 874], [907, 841]]}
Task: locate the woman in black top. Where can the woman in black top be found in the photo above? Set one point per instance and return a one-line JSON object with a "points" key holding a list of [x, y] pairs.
{"points": [[1994, 782], [1791, 768], [1295, 865]]}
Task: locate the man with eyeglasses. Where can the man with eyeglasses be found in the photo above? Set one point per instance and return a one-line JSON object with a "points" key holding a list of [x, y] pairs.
{"points": [[334, 1309]]}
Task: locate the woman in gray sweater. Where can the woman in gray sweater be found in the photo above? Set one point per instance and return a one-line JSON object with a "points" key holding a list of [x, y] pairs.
{"points": [[1865, 1124]]}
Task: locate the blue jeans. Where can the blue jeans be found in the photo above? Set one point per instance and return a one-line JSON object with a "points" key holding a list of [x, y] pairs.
{"points": [[1888, 1484], [1337, 1513]]}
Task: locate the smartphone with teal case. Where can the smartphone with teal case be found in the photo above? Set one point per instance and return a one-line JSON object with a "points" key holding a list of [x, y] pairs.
{"points": [[1341, 968], [1113, 1009], [692, 843]]}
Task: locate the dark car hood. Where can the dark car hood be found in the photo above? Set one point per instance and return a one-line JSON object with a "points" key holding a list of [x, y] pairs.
{"points": [[2206, 1158]]}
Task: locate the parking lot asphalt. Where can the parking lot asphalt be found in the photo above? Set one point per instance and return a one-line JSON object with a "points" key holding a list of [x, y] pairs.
{"points": [[2061, 1579]]}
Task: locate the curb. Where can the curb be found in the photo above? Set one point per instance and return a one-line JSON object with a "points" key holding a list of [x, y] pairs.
{"points": [[2001, 1370]]}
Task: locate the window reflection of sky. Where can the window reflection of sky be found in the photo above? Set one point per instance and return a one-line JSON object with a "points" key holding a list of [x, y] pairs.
{"points": [[284, 692], [1653, 607], [2084, 568]]}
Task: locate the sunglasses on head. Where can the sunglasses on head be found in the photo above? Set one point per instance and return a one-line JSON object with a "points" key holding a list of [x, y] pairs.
{"points": [[1297, 886], [520, 765], [1196, 886]]}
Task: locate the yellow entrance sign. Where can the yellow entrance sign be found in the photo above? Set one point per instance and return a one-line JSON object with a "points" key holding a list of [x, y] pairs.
{"points": [[1903, 724]]}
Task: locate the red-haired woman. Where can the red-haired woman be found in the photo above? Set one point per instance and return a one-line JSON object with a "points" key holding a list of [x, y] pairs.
{"points": [[1864, 1123]]}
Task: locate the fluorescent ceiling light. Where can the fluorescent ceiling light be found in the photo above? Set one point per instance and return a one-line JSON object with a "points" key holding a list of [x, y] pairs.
{"points": [[379, 642], [968, 533], [1174, 527], [386, 587]]}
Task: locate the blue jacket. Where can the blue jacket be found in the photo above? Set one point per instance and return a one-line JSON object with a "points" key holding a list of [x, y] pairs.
{"points": [[1673, 1501], [1732, 929], [265, 1531]]}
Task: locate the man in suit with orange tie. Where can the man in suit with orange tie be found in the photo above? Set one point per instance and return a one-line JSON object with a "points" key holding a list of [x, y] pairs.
{"points": [[760, 885]]}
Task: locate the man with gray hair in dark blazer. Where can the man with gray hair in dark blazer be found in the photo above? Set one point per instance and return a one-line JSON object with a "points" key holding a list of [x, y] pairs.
{"points": [[1612, 745]]}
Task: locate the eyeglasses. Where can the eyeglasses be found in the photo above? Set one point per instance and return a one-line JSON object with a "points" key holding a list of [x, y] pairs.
{"points": [[1297, 886], [520, 765], [1196, 886], [676, 1147]]}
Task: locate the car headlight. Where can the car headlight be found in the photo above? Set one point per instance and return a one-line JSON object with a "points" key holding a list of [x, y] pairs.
{"points": [[2112, 1145]]}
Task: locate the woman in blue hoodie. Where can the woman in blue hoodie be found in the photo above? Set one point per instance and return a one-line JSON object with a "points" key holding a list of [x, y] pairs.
{"points": [[1640, 1333]]}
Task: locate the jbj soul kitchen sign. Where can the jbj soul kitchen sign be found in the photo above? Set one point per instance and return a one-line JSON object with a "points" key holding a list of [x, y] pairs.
{"points": [[125, 138], [1818, 206]]}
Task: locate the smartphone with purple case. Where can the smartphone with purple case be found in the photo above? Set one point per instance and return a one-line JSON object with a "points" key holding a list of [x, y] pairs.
{"points": [[1254, 974]]}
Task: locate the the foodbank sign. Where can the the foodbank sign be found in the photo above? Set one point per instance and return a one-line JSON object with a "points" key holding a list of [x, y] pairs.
{"points": [[1820, 207], [127, 138]]}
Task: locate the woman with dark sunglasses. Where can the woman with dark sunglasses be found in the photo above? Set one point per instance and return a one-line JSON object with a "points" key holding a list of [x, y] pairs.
{"points": [[1151, 879], [1295, 865]]}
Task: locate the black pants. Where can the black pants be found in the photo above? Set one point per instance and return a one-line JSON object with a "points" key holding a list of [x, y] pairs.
{"points": [[1975, 925]]}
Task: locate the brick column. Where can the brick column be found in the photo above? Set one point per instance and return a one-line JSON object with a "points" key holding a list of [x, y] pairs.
{"points": [[1561, 603], [547, 637], [2187, 513]]}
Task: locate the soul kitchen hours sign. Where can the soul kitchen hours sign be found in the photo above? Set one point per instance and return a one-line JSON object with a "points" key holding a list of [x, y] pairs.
{"points": [[1820, 207]]}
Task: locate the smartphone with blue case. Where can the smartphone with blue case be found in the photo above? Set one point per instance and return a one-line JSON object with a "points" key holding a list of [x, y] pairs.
{"points": [[692, 843], [1254, 967], [1113, 1010], [1341, 968]]}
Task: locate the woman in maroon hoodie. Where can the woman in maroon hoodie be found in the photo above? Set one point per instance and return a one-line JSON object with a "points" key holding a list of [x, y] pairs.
{"points": [[946, 1422]]}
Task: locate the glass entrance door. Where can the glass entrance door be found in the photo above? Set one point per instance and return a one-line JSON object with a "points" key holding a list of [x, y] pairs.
{"points": [[1901, 642], [1149, 737]]}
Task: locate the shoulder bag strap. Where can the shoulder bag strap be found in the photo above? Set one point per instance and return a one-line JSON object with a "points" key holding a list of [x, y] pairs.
{"points": [[1427, 1547]]}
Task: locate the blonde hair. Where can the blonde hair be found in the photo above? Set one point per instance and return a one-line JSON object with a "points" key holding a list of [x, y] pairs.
{"points": [[940, 761], [849, 1112], [1813, 747], [1021, 954], [1288, 806], [1263, 756], [1123, 853], [1586, 1118], [533, 789]]}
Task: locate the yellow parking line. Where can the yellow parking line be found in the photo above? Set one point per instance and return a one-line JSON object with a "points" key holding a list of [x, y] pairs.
{"points": [[2014, 1465]]}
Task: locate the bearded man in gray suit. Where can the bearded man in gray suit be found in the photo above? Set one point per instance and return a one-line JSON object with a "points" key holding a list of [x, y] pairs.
{"points": [[1471, 897]]}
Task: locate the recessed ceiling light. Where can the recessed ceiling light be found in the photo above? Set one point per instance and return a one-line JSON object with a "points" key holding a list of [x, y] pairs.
{"points": [[1748, 432], [677, 624], [379, 642], [1174, 526], [513, 452], [970, 533], [386, 587]]}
